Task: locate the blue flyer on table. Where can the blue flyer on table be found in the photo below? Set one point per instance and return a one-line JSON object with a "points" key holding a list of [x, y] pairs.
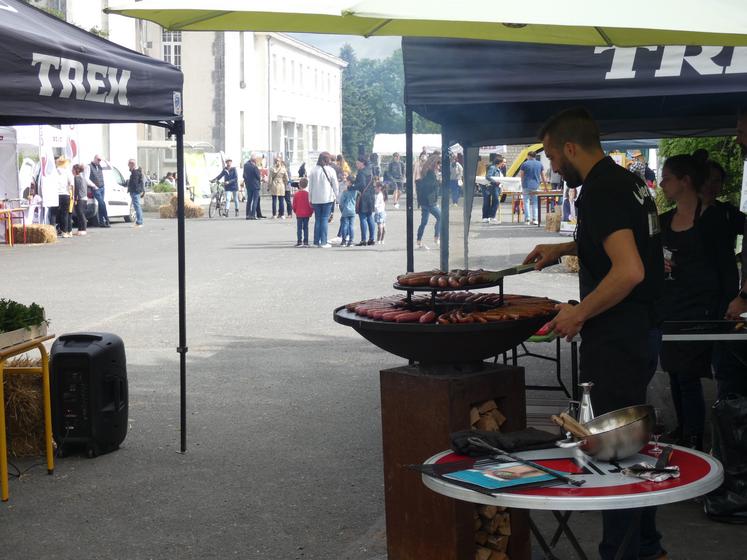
{"points": [[501, 476]]}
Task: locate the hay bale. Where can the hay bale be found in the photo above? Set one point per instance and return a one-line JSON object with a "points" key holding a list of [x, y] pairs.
{"points": [[552, 222], [166, 211], [191, 210], [570, 262], [35, 233], [24, 412]]}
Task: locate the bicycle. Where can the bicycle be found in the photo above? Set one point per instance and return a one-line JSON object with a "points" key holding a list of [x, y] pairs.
{"points": [[218, 200]]}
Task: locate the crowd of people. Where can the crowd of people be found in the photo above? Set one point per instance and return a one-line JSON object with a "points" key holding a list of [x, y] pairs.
{"points": [[318, 191], [74, 185]]}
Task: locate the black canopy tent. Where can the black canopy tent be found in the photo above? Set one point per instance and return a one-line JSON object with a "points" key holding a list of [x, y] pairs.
{"points": [[56, 73], [488, 93]]}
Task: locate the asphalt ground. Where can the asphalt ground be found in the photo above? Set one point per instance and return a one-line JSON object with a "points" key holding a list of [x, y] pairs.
{"points": [[284, 439]]}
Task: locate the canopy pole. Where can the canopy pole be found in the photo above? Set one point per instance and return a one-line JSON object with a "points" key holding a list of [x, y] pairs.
{"points": [[182, 349], [445, 200], [471, 155], [409, 190]]}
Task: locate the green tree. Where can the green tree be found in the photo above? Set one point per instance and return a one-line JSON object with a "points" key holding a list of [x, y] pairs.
{"points": [[723, 149], [373, 101]]}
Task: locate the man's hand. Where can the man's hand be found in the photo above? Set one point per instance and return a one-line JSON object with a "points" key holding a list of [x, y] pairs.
{"points": [[545, 255], [737, 306], [568, 321]]}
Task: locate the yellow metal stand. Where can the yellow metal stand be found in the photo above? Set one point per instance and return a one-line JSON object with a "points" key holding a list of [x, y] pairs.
{"points": [[5, 354]]}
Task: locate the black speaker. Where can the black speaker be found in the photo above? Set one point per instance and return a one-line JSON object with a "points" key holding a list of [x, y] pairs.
{"points": [[88, 375]]}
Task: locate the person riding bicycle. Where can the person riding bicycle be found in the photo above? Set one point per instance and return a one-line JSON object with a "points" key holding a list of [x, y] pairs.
{"points": [[231, 185]]}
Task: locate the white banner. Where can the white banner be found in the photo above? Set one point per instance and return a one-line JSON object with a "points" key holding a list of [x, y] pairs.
{"points": [[8, 164]]}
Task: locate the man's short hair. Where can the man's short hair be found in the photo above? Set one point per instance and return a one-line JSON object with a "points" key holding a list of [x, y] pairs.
{"points": [[530, 154], [395, 154], [572, 125]]}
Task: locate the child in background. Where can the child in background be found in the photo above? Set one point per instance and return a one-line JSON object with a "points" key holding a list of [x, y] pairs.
{"points": [[380, 213], [303, 209], [347, 211]]}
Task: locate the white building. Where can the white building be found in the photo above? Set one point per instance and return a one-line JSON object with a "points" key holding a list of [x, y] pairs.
{"points": [[243, 92], [250, 92]]}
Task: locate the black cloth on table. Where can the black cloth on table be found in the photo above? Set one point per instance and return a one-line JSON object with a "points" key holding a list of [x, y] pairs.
{"points": [[512, 442]]}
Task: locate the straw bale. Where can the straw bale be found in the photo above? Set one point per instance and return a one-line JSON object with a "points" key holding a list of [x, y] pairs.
{"points": [[35, 233], [166, 211], [552, 222], [24, 411], [570, 262], [191, 210]]}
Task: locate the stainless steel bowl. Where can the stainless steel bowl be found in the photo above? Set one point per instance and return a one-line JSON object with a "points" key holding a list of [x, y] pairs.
{"points": [[617, 434]]}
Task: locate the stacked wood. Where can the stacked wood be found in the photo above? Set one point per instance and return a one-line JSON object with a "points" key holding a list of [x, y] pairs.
{"points": [[495, 530], [492, 523], [486, 416]]}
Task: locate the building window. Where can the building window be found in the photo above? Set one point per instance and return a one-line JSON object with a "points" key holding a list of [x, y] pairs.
{"points": [[274, 67], [171, 42]]}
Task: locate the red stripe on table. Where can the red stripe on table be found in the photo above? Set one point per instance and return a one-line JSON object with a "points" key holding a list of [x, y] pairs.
{"points": [[692, 469]]}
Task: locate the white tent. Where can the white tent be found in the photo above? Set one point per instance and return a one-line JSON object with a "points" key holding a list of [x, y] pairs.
{"points": [[387, 144]]}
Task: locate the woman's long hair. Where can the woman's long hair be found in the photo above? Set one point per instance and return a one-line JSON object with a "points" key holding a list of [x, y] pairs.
{"points": [[694, 166], [430, 164]]}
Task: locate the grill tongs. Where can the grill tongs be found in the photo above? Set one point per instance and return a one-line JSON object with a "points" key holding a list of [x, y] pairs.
{"points": [[478, 442]]}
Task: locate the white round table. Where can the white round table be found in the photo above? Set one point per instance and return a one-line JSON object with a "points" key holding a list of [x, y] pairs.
{"points": [[604, 488]]}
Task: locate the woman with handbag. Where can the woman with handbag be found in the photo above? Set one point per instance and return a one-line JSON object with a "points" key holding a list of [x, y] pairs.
{"points": [[365, 205], [323, 191]]}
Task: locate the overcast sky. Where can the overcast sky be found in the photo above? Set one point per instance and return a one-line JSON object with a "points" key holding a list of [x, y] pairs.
{"points": [[374, 47]]}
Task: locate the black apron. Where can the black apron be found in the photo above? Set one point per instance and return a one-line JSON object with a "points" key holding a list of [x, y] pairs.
{"points": [[691, 295]]}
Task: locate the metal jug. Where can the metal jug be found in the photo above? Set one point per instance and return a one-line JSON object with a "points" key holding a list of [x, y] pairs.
{"points": [[586, 412]]}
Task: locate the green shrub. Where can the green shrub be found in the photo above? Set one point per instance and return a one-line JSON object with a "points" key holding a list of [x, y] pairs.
{"points": [[163, 188], [723, 149], [14, 315]]}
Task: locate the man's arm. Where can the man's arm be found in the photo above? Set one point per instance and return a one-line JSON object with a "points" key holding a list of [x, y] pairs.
{"points": [[546, 255], [626, 273], [87, 177]]}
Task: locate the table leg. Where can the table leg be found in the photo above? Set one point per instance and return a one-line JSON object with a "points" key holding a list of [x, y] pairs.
{"points": [[3, 442], [47, 409], [539, 212], [541, 540], [559, 530], [563, 526]]}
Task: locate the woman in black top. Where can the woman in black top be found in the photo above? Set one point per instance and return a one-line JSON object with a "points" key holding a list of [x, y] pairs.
{"points": [[80, 197], [701, 276]]}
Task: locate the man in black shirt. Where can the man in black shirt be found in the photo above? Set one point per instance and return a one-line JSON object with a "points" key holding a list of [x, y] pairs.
{"points": [[618, 243]]}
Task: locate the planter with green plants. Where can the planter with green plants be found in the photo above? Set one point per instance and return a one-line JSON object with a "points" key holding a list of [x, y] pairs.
{"points": [[19, 323]]}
